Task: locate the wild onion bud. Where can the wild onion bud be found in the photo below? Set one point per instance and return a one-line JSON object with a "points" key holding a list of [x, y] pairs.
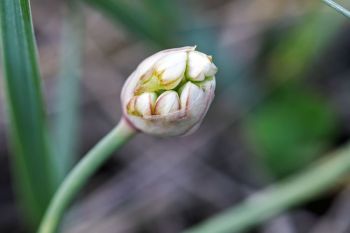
{"points": [[170, 92]]}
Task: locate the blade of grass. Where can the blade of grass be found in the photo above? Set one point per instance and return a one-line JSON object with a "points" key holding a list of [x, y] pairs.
{"points": [[299, 47], [32, 161], [278, 198], [337, 7], [66, 123]]}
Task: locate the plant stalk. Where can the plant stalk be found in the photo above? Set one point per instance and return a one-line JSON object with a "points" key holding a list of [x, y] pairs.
{"points": [[80, 174]]}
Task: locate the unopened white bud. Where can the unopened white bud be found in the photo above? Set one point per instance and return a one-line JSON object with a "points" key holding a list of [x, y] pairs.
{"points": [[185, 80]]}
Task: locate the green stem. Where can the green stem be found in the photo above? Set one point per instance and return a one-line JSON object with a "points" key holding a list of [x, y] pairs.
{"points": [[276, 199], [80, 174]]}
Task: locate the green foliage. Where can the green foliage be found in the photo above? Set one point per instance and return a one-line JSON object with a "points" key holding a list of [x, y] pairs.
{"points": [[67, 118], [294, 125], [295, 50], [290, 130], [32, 161]]}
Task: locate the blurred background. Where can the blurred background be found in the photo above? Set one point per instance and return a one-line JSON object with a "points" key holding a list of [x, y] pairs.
{"points": [[282, 101]]}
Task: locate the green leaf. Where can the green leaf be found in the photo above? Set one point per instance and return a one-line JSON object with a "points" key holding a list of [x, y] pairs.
{"points": [[33, 166], [67, 118], [290, 130]]}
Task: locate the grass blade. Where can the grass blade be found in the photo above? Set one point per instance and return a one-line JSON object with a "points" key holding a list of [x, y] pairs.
{"points": [[299, 47], [66, 123], [276, 199], [338, 7], [32, 162]]}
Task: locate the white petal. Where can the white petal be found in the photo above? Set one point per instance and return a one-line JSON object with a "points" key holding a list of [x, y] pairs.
{"points": [[130, 107], [191, 98], [208, 86], [167, 102], [144, 103], [171, 69], [211, 70], [200, 66]]}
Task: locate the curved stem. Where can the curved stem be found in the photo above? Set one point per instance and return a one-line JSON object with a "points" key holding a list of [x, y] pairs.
{"points": [[80, 174]]}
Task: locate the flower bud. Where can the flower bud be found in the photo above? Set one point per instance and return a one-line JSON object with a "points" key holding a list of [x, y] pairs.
{"points": [[170, 92]]}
